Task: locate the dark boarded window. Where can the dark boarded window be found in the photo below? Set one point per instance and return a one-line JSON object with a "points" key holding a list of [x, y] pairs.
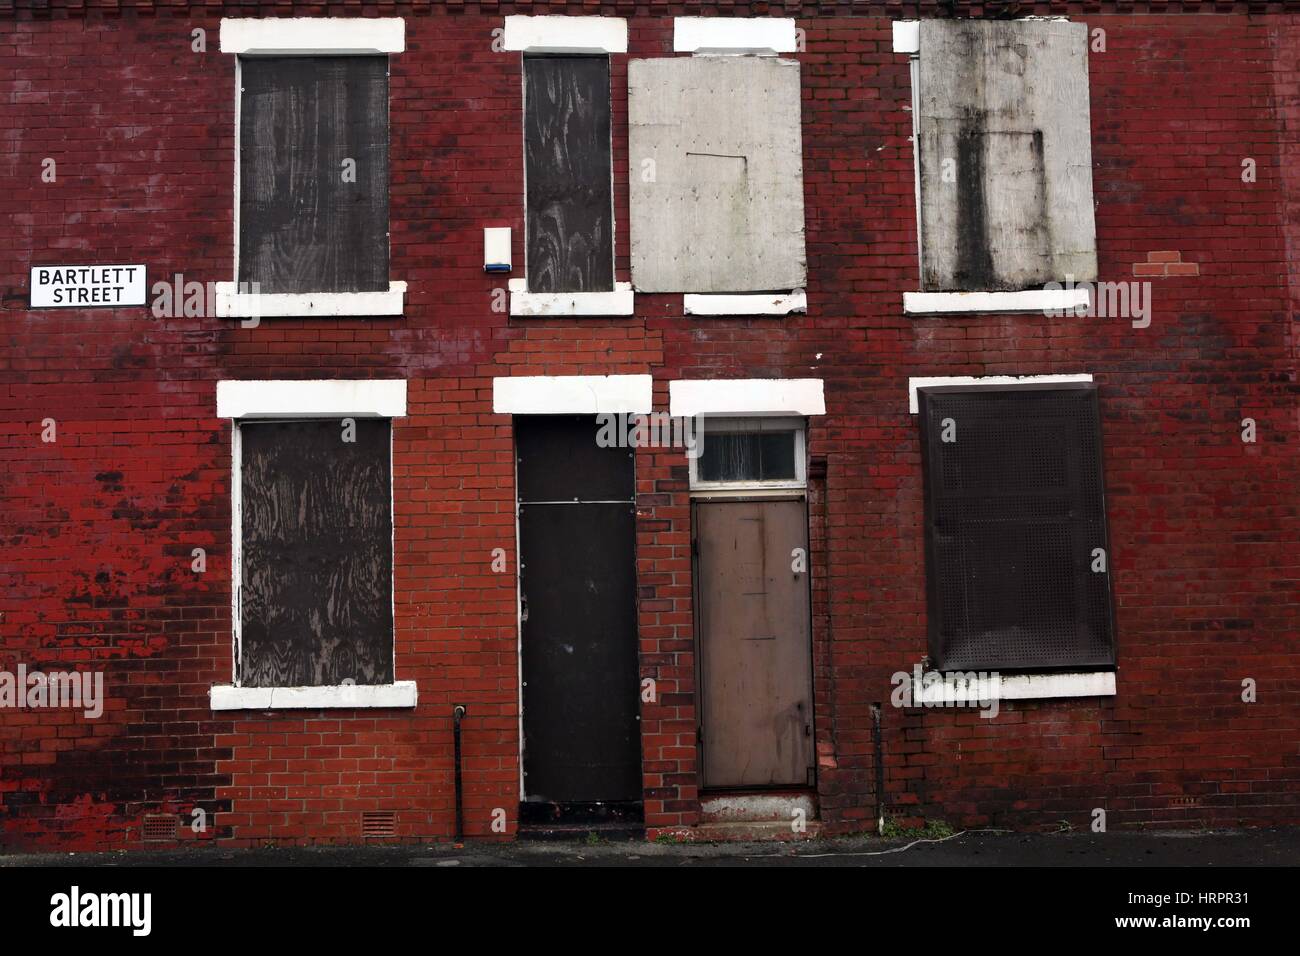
{"points": [[1016, 523], [1004, 155], [316, 544], [567, 165], [313, 173]]}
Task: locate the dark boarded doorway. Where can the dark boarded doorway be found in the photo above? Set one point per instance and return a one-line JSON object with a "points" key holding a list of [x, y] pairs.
{"points": [[581, 739], [752, 606]]}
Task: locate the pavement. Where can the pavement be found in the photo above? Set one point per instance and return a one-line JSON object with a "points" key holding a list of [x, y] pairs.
{"points": [[1171, 848]]}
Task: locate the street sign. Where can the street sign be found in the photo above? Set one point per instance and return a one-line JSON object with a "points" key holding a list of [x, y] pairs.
{"points": [[63, 287]]}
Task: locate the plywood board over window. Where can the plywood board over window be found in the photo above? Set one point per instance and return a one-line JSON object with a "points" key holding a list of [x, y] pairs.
{"points": [[316, 532], [313, 173], [1005, 157], [570, 220], [716, 175]]}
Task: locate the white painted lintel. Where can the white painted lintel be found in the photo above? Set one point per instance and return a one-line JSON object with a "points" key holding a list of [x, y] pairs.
{"points": [[311, 398], [560, 34], [307, 36], [914, 404], [734, 36], [748, 396], [572, 394]]}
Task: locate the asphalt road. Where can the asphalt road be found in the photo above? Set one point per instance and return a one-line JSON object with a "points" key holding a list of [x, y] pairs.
{"points": [[1222, 848]]}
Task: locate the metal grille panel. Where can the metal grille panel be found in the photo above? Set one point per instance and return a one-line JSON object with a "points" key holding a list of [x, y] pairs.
{"points": [[1015, 506]]}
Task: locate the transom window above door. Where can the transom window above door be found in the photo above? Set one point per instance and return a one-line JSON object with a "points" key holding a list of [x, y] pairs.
{"points": [[748, 454]]}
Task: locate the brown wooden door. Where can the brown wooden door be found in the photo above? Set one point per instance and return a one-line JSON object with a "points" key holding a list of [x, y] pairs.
{"points": [[752, 606]]}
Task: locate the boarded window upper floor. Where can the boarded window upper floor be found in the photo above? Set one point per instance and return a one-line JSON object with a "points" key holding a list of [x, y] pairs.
{"points": [[570, 218], [1004, 155], [313, 173], [716, 165]]}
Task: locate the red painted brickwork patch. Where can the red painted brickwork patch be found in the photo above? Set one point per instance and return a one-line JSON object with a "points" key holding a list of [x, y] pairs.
{"points": [[1166, 264]]}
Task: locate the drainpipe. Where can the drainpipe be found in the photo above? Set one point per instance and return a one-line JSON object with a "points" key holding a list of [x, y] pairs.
{"points": [[880, 767], [458, 714]]}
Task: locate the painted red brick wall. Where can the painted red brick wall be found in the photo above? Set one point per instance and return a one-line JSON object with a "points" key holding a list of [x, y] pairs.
{"points": [[98, 527]]}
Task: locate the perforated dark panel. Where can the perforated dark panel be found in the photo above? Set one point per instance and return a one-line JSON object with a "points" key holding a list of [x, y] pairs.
{"points": [[1015, 506]]}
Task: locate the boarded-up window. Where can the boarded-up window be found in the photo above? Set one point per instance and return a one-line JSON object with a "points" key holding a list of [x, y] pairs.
{"points": [[1017, 557], [1005, 155], [570, 220], [313, 173], [316, 606], [716, 175]]}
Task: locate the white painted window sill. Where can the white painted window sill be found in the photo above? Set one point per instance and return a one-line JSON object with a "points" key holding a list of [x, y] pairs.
{"points": [[399, 694], [1030, 300], [541, 304], [762, 304], [232, 304], [1017, 687]]}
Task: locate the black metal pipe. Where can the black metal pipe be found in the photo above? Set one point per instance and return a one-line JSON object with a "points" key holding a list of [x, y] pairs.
{"points": [[457, 714], [879, 745]]}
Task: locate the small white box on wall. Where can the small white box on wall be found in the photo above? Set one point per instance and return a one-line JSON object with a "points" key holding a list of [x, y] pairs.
{"points": [[496, 250]]}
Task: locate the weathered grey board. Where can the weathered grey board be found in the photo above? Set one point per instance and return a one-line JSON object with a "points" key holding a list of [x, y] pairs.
{"points": [[316, 533], [1003, 111], [570, 215], [716, 175], [302, 228]]}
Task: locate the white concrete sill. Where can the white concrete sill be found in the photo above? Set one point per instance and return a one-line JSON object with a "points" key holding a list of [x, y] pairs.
{"points": [[1017, 687], [526, 305], [762, 304], [398, 694], [232, 304], [958, 303]]}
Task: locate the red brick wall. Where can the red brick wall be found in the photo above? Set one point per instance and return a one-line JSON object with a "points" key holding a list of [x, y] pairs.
{"points": [[98, 527]]}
